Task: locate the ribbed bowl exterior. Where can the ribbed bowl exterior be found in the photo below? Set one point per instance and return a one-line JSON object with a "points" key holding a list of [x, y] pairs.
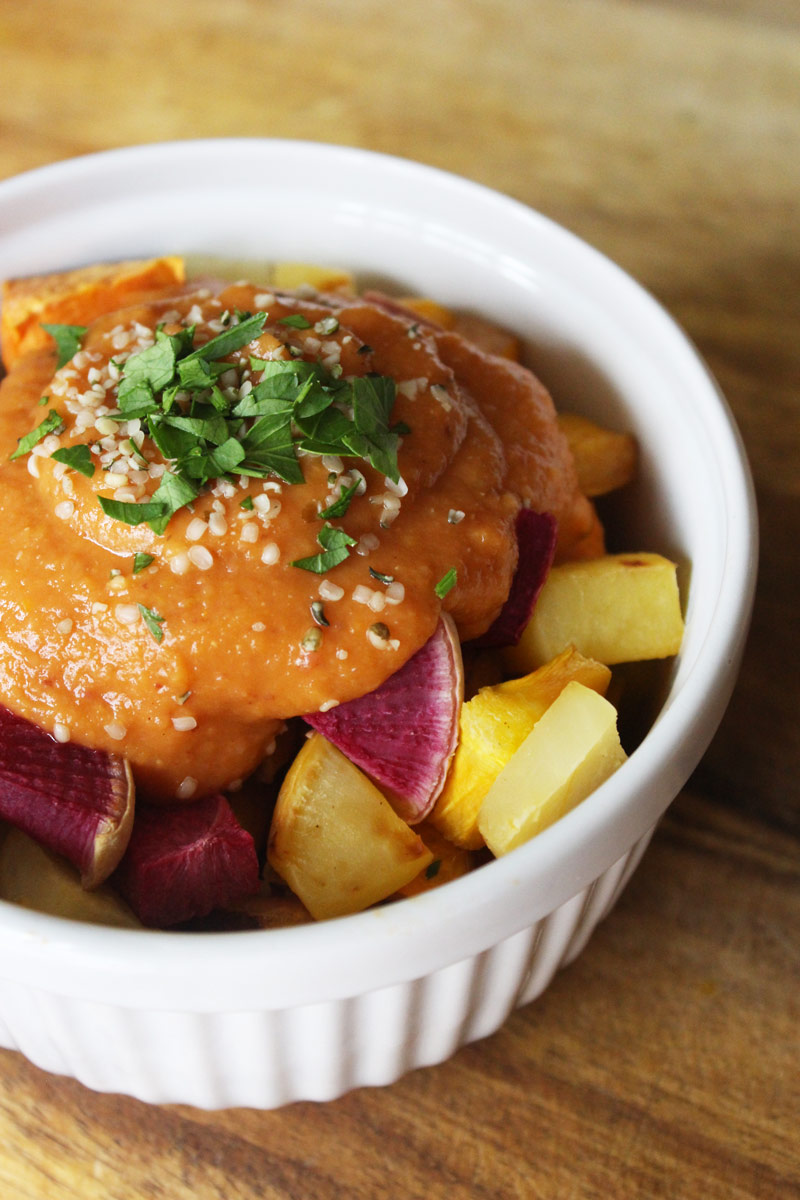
{"points": [[272, 1057]]}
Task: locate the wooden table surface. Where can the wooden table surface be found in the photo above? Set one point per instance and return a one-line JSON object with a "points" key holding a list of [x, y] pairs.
{"points": [[664, 1062]]}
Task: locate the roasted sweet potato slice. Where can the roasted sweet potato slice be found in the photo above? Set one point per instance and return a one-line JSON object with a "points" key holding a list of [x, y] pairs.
{"points": [[481, 333], [77, 298]]}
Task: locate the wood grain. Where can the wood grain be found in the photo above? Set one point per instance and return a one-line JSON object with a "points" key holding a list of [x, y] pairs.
{"points": [[664, 1062]]}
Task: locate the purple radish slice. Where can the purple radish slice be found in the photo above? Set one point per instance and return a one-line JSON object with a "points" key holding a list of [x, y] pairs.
{"points": [[75, 801], [404, 733], [536, 539], [186, 860]]}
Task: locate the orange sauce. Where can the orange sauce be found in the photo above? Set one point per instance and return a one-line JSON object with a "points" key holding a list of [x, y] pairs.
{"points": [[201, 708]]}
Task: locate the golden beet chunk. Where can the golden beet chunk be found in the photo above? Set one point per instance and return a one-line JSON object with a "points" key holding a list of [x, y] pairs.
{"points": [[567, 755], [335, 839], [492, 727], [616, 608]]}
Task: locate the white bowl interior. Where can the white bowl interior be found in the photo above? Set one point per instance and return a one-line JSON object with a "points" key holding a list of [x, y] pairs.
{"points": [[602, 345]]}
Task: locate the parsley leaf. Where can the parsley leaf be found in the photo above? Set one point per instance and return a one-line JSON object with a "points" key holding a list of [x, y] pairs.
{"points": [[224, 459], [52, 423], [295, 321], [446, 583], [172, 493], [195, 374], [136, 398], [153, 366], [339, 507], [269, 447], [232, 338], [336, 548], [212, 428], [153, 622], [68, 339], [326, 432], [373, 399], [78, 457], [141, 561], [129, 513]]}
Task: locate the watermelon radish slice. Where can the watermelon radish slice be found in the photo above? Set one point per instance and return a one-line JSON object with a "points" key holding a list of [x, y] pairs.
{"points": [[404, 733], [185, 860], [536, 539], [75, 801]]}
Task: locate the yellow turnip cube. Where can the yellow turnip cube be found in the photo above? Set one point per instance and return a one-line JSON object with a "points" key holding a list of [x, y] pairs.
{"points": [[335, 839], [617, 608], [570, 751], [605, 460], [492, 725], [36, 878]]}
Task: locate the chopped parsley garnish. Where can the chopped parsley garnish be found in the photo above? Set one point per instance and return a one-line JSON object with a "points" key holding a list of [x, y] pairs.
{"points": [[232, 338], [206, 431], [339, 507], [79, 458], [153, 622], [130, 513], [140, 561], [68, 339], [172, 493], [335, 546], [295, 321], [247, 504], [52, 423], [373, 398], [446, 583], [432, 869]]}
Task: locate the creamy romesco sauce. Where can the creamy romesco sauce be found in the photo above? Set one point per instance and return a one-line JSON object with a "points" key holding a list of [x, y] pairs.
{"points": [[241, 648]]}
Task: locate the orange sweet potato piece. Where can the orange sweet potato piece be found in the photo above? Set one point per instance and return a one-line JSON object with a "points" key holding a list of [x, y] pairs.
{"points": [[449, 862], [487, 336], [482, 333], [429, 310], [77, 298]]}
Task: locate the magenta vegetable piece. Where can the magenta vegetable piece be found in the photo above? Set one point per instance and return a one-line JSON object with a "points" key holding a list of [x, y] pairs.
{"points": [[536, 540], [404, 733], [185, 860], [75, 801]]}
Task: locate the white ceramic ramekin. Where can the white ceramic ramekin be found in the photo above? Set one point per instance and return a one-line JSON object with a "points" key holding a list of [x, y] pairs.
{"points": [[265, 1018]]}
